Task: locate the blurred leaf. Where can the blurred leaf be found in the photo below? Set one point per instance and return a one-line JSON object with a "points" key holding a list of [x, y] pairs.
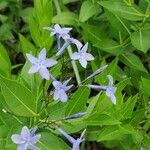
{"points": [[122, 9], [5, 64], [50, 141], [90, 8], [140, 40], [66, 18]]}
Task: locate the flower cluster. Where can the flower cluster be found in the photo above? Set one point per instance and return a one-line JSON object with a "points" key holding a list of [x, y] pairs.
{"points": [[27, 139]]}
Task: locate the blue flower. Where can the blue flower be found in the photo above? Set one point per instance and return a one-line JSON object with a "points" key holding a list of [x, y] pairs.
{"points": [[110, 90], [75, 142], [41, 64], [27, 139], [59, 33], [82, 56], [60, 90]]}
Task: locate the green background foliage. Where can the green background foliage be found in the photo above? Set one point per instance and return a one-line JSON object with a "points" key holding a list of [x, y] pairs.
{"points": [[118, 33]]}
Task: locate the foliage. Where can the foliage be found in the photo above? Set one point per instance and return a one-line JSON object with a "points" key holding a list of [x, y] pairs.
{"points": [[118, 35]]}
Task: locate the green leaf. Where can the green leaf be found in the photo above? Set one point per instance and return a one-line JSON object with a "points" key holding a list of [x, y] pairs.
{"points": [[5, 65], [66, 18], [90, 8], [128, 107], [49, 141], [140, 40], [132, 61], [19, 99], [122, 9], [145, 86], [26, 45], [99, 119], [77, 101], [109, 133]]}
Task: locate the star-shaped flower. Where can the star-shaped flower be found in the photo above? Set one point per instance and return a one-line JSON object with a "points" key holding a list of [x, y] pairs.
{"points": [[26, 140], [75, 142], [60, 90], [82, 56], [58, 31], [41, 64], [110, 90]]}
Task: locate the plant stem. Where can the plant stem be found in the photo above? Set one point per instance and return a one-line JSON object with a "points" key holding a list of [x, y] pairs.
{"points": [[75, 68]]}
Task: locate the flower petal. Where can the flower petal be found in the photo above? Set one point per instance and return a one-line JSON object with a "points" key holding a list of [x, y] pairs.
{"points": [[56, 95], [88, 56], [63, 96], [17, 139], [32, 59], [22, 146], [66, 135], [110, 79], [83, 62], [44, 73], [57, 84], [98, 87], [35, 139], [85, 47], [50, 62], [77, 43], [33, 69], [42, 55], [67, 81], [25, 132], [75, 56]]}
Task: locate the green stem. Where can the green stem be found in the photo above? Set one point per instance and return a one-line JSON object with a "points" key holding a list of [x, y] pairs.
{"points": [[75, 68]]}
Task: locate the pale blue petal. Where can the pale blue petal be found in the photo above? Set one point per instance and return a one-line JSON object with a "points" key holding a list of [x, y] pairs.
{"points": [[17, 139], [63, 96], [96, 72], [33, 130], [77, 115], [67, 81], [35, 139], [68, 87], [76, 42], [22, 146], [76, 146], [82, 135], [110, 79], [32, 59], [44, 73], [33, 69], [56, 95], [88, 56], [25, 132], [75, 56], [42, 55], [57, 84], [98, 87], [84, 48], [50, 62], [67, 136], [61, 51], [83, 62]]}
